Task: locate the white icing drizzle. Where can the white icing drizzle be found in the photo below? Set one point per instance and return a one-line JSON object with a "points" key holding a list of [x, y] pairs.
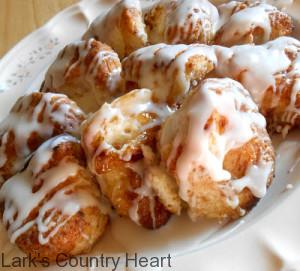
{"points": [[225, 11], [20, 199], [244, 21], [162, 68], [294, 74], [143, 168], [62, 70], [23, 121], [256, 179], [144, 191], [183, 19], [206, 147], [108, 29], [233, 202], [113, 120], [138, 167], [256, 67]]}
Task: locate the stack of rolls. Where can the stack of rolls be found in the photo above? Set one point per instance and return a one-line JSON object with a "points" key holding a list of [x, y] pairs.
{"points": [[151, 113]]}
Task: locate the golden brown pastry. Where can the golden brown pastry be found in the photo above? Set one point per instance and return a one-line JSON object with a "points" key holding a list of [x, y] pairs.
{"points": [[181, 21], [122, 28], [251, 22], [218, 150], [32, 120], [271, 73], [168, 70], [119, 141], [53, 207], [89, 72]]}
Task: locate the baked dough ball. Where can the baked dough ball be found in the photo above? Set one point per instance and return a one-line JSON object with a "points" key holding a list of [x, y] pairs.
{"points": [[119, 141], [181, 21], [248, 22], [53, 207], [122, 28], [271, 73], [32, 120], [218, 150], [89, 72], [168, 70]]}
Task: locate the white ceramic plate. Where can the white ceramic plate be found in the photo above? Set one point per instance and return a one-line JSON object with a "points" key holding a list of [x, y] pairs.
{"points": [[22, 70]]}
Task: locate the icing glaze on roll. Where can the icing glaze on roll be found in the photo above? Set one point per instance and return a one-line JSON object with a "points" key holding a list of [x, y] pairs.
{"points": [[229, 99], [123, 117], [144, 191], [253, 177], [119, 141], [169, 70], [181, 21], [200, 141], [28, 193], [246, 22], [121, 27], [271, 74], [256, 67], [245, 19], [33, 119], [87, 71]]}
